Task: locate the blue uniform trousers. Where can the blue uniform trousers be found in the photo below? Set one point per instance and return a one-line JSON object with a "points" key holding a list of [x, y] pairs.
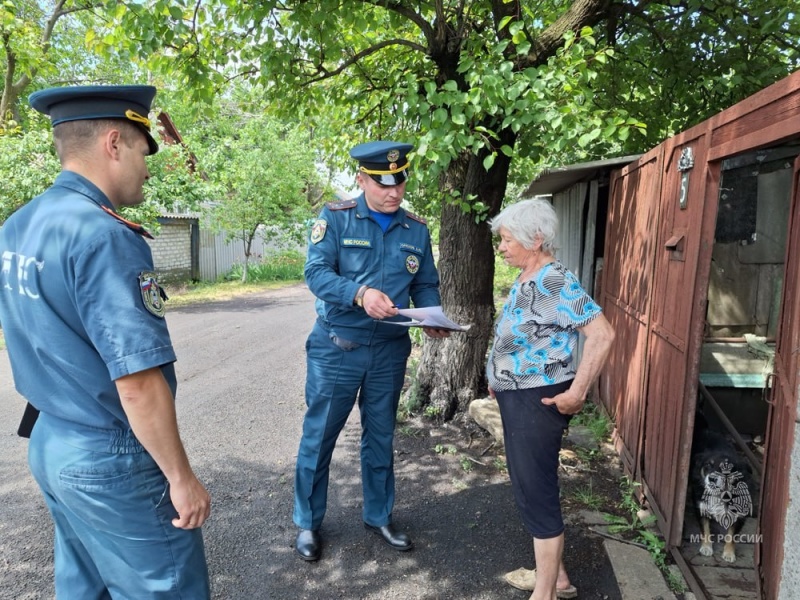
{"points": [[335, 378], [112, 513]]}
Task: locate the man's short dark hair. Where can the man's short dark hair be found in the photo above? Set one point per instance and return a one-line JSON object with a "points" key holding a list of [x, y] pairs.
{"points": [[77, 137]]}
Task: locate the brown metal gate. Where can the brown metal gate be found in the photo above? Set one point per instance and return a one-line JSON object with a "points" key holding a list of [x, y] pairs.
{"points": [[654, 228], [659, 241], [782, 414], [669, 417]]}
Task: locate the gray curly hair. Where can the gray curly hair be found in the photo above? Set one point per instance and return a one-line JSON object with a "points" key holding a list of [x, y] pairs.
{"points": [[527, 221]]}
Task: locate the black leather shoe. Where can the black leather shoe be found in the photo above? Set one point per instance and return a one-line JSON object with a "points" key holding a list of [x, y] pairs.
{"points": [[395, 539], [308, 544]]}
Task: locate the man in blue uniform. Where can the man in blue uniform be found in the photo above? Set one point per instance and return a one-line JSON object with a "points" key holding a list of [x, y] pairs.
{"points": [[367, 257], [83, 319]]}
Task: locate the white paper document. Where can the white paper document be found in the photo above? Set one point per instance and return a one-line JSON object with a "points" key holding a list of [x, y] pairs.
{"points": [[431, 316]]}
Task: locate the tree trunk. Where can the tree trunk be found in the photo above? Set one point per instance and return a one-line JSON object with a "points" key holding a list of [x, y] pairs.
{"points": [[248, 243], [452, 371]]}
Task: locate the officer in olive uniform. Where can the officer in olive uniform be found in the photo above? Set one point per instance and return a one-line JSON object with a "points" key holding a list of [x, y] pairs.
{"points": [[83, 318], [366, 258]]}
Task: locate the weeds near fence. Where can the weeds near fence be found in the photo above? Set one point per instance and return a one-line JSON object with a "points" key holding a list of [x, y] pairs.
{"points": [[283, 266]]}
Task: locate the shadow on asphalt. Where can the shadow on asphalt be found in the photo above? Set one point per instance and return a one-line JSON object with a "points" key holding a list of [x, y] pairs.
{"points": [[465, 529], [464, 523], [25, 530], [256, 302], [466, 533]]}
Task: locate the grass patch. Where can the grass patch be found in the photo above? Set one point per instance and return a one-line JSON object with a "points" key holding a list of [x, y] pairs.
{"points": [[595, 421], [445, 449], [639, 528], [460, 485], [204, 292], [587, 456], [274, 271], [412, 432], [588, 497], [410, 400], [504, 275]]}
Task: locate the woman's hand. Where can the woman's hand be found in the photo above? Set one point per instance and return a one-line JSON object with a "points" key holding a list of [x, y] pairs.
{"points": [[567, 403]]}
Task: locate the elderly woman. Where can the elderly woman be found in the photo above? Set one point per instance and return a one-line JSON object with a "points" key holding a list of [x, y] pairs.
{"points": [[532, 372]]}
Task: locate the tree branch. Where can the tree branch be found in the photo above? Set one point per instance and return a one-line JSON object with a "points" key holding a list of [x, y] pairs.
{"points": [[406, 11], [581, 13], [12, 91], [363, 54], [11, 67]]}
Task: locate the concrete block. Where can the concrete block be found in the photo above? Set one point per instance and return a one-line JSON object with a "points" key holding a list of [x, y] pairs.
{"points": [[637, 575]]}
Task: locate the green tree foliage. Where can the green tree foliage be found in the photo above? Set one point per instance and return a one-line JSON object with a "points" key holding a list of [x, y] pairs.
{"points": [[43, 43], [28, 165], [177, 183], [483, 87], [262, 173], [24, 32], [43, 40], [679, 63], [460, 79]]}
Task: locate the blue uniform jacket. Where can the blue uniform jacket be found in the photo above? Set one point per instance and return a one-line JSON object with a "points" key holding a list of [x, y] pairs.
{"points": [[348, 249], [72, 304]]}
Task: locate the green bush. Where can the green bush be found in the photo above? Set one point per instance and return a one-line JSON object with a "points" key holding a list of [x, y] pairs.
{"points": [[283, 266]]}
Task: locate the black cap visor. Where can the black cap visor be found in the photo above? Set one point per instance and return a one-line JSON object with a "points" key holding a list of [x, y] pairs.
{"points": [[151, 143]]}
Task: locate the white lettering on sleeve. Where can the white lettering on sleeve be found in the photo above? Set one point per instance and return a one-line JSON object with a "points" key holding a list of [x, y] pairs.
{"points": [[26, 275]]}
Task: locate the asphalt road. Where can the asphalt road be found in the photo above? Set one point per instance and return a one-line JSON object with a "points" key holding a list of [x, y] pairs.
{"points": [[241, 371]]}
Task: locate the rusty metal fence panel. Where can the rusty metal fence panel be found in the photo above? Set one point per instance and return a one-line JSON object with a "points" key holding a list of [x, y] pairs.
{"points": [[626, 296]]}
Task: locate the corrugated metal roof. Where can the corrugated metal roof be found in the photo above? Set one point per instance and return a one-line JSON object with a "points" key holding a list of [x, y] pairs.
{"points": [[181, 216], [557, 179]]}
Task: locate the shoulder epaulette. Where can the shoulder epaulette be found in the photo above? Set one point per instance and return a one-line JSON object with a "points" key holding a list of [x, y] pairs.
{"points": [[130, 224], [341, 204], [416, 218]]}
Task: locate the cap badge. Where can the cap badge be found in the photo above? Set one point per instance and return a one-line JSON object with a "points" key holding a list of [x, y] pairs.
{"points": [[412, 264], [393, 156]]}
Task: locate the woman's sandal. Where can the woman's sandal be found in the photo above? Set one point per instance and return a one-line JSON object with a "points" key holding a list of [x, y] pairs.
{"points": [[525, 579]]}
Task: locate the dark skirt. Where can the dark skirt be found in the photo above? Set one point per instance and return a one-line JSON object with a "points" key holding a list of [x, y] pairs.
{"points": [[533, 432]]}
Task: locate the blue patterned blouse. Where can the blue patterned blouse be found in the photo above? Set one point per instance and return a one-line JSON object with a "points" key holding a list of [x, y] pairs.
{"points": [[537, 332]]}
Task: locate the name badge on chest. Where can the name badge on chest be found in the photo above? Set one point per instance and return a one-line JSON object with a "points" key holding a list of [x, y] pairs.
{"points": [[356, 243]]}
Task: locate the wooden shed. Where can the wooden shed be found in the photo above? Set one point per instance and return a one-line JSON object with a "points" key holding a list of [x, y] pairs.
{"points": [[700, 282]]}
